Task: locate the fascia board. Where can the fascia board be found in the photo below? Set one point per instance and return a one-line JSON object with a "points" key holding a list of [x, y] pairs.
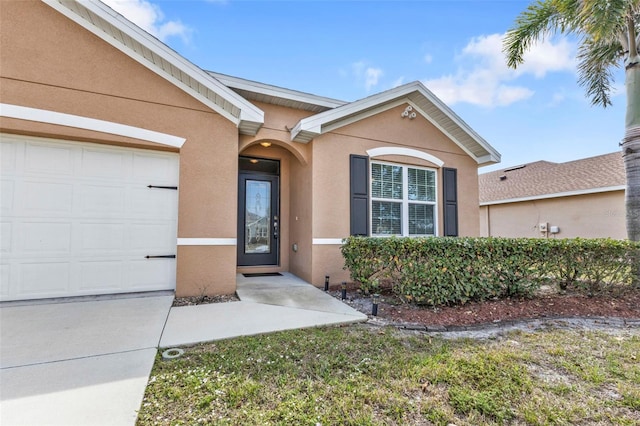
{"points": [[248, 111], [278, 92], [487, 160], [556, 195], [458, 121]]}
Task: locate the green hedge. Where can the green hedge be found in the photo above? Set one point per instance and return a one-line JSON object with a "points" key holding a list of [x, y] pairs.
{"points": [[443, 271]]}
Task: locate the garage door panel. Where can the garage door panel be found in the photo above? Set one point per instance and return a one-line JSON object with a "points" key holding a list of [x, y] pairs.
{"points": [[102, 237], [148, 274], [105, 163], [9, 158], [49, 159], [149, 237], [102, 200], [7, 192], [6, 230], [154, 167], [153, 203], [78, 218], [46, 237], [45, 278], [101, 276], [44, 199], [5, 279]]}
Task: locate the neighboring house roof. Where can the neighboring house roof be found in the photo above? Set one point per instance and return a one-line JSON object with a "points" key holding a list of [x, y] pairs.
{"points": [[416, 95], [544, 179], [122, 34]]}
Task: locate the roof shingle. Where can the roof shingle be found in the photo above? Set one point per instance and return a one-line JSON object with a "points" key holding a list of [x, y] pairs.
{"points": [[544, 178]]}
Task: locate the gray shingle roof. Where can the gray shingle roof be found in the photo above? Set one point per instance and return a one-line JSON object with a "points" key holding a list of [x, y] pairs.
{"points": [[543, 178]]}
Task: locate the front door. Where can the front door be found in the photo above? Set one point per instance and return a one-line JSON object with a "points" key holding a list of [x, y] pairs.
{"points": [[258, 212]]}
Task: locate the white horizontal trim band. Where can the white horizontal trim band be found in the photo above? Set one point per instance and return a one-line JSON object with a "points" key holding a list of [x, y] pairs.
{"points": [[327, 241], [407, 152], [79, 122], [556, 195], [207, 241]]}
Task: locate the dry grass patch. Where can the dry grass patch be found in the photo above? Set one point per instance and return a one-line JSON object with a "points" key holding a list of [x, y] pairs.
{"points": [[368, 376]]}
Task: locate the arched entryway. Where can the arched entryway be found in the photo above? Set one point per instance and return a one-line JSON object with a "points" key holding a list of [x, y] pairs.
{"points": [[272, 206]]}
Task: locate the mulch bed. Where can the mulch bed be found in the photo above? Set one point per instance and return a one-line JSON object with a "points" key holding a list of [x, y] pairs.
{"points": [[614, 305]]}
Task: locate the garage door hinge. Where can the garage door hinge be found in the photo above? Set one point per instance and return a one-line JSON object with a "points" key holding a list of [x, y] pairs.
{"points": [[163, 187], [164, 256]]}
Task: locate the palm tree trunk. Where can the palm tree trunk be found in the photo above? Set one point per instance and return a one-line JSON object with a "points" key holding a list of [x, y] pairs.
{"points": [[631, 149], [631, 156]]}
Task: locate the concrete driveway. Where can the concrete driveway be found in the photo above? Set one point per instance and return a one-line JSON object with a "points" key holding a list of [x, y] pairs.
{"points": [[58, 359], [87, 362]]}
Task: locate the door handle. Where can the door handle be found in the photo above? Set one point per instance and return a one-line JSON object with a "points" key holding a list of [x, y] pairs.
{"points": [[275, 227]]}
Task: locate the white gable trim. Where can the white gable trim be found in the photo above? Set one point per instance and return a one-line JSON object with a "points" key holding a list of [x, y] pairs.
{"points": [[407, 152], [556, 195], [86, 123], [159, 58], [414, 94]]}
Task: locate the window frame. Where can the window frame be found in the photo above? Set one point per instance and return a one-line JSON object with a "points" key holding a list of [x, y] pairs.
{"points": [[404, 201]]}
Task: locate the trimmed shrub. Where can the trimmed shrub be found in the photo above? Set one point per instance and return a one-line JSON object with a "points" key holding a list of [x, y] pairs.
{"points": [[447, 270]]}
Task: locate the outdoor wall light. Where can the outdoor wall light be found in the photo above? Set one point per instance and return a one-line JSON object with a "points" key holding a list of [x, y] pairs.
{"points": [[344, 290], [253, 161], [265, 144], [326, 283], [374, 306]]}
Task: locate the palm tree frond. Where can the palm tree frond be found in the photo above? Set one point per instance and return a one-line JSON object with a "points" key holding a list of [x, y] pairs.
{"points": [[530, 25], [605, 20], [595, 62]]}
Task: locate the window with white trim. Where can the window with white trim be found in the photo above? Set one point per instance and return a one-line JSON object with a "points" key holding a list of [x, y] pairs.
{"points": [[403, 200]]}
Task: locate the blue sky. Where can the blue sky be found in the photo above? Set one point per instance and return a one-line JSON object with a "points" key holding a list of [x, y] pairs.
{"points": [[351, 49]]}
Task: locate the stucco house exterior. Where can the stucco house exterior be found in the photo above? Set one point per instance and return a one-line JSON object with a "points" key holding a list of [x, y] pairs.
{"points": [[127, 168], [581, 198]]}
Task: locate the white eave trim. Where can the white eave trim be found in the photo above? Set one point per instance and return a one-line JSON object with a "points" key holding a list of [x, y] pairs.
{"points": [[556, 195], [250, 118], [86, 123], [407, 152]]}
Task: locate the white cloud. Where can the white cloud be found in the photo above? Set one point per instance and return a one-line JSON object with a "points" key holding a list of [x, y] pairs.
{"points": [[372, 75], [484, 78], [366, 75], [150, 18], [398, 82]]}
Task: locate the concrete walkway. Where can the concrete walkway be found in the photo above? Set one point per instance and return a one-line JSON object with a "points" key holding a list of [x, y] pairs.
{"points": [[87, 361], [267, 304]]}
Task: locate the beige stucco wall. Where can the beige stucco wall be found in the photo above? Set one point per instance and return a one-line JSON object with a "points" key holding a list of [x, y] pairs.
{"points": [[51, 63], [588, 216]]}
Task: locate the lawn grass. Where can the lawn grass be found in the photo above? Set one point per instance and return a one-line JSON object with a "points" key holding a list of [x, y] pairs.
{"points": [[362, 375]]}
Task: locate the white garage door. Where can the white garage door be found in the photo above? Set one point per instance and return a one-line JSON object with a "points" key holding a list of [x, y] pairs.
{"points": [[79, 219]]}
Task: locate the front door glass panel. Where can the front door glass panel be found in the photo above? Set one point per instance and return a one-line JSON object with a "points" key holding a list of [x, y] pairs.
{"points": [[257, 216]]}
